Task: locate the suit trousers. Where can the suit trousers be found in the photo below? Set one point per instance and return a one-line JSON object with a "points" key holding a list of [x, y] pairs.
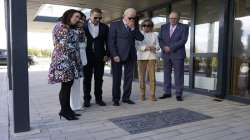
{"points": [[178, 65], [95, 68], [117, 69]]}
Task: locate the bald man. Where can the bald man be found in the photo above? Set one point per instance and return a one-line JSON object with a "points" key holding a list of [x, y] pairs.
{"points": [[172, 39], [122, 38]]}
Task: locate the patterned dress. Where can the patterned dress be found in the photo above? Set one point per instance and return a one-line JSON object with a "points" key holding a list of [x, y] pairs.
{"points": [[65, 64]]}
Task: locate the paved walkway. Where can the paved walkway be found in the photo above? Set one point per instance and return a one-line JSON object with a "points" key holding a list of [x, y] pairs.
{"points": [[4, 123], [231, 120]]}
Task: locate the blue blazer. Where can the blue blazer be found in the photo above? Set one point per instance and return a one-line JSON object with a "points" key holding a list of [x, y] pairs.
{"points": [[176, 42], [122, 41]]}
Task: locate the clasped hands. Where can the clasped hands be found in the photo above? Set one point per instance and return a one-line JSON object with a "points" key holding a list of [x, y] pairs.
{"points": [[150, 48], [167, 49]]}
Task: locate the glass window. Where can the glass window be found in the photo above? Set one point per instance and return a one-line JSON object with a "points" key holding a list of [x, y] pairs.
{"points": [[241, 50], [207, 26], [206, 44]]}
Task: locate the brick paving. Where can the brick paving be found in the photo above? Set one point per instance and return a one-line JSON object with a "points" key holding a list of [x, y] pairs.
{"points": [[231, 120]]}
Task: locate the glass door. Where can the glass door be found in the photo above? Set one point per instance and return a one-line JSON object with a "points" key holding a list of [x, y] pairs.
{"points": [[241, 50], [206, 44]]}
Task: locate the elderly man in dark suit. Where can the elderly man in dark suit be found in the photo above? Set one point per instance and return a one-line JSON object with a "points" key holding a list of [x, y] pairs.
{"points": [[172, 39], [122, 38], [97, 54]]}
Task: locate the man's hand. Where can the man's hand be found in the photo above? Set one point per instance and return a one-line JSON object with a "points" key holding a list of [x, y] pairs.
{"points": [[153, 49], [117, 59], [131, 24], [167, 49], [147, 48]]}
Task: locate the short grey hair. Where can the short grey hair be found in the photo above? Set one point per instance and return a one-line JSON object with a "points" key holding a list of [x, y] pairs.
{"points": [[128, 10]]}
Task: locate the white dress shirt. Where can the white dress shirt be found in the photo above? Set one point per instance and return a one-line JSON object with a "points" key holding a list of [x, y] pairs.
{"points": [[93, 29], [150, 38]]}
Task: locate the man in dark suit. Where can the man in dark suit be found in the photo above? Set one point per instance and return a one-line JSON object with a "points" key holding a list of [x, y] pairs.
{"points": [[97, 54], [122, 38], [172, 39]]}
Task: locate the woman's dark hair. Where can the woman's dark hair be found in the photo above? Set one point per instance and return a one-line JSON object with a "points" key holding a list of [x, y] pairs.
{"points": [[82, 15], [65, 19], [147, 21]]}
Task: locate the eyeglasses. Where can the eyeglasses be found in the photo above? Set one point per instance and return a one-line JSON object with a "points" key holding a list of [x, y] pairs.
{"points": [[147, 25], [132, 18], [98, 18]]}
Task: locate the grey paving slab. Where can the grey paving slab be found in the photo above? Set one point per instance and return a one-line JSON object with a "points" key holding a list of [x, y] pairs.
{"points": [[230, 120], [4, 107]]}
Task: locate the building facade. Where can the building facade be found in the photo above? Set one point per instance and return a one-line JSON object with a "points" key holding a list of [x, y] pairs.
{"points": [[218, 48], [217, 61]]}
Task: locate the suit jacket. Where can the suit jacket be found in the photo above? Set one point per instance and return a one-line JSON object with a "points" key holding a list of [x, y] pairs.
{"points": [[176, 42], [97, 47], [122, 41]]}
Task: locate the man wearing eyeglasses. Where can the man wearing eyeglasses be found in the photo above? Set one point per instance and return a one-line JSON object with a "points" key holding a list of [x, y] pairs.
{"points": [[97, 54], [172, 39], [122, 38]]}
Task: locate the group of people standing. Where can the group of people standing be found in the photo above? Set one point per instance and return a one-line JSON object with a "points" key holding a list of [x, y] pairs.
{"points": [[83, 46]]}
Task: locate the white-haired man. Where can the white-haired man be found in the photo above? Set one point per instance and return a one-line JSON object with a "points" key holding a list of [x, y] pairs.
{"points": [[122, 38]]}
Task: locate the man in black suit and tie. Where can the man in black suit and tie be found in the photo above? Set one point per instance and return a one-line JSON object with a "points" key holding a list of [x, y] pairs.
{"points": [[97, 54], [122, 38]]}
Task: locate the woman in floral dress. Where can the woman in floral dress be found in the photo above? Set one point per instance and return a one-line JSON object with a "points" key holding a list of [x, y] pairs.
{"points": [[65, 62]]}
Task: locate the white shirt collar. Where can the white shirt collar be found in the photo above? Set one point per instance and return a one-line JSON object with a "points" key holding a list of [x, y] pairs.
{"points": [[90, 23], [173, 26], [93, 29]]}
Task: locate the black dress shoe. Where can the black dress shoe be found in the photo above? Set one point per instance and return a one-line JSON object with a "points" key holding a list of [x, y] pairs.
{"points": [[179, 98], [116, 104], [164, 96], [101, 103], [128, 102], [87, 104]]}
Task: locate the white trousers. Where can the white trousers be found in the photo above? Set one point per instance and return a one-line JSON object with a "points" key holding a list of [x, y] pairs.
{"points": [[76, 96]]}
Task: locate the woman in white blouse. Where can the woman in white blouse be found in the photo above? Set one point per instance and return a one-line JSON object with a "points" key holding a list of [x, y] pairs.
{"points": [[76, 97], [147, 56]]}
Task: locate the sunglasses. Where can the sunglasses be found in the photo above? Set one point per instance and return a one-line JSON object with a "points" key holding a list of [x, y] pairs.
{"points": [[147, 25], [98, 18], [132, 18]]}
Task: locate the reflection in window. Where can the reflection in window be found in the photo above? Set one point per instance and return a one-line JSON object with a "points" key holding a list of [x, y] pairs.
{"points": [[206, 73], [206, 44], [241, 50], [206, 37]]}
